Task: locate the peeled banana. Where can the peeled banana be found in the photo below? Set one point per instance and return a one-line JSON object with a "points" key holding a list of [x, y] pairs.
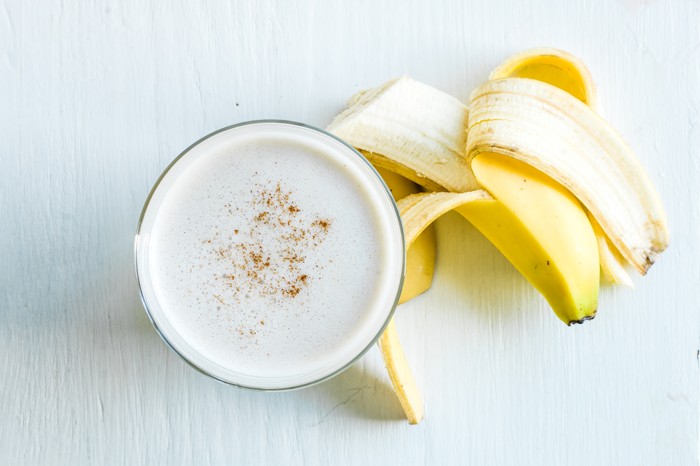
{"points": [[543, 230]]}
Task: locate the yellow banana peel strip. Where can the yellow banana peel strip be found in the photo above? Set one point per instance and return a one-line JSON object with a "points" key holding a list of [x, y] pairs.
{"points": [[418, 212], [611, 262], [420, 257], [552, 66], [400, 374]]}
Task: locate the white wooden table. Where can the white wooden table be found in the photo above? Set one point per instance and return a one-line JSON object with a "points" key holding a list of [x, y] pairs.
{"points": [[97, 97]]}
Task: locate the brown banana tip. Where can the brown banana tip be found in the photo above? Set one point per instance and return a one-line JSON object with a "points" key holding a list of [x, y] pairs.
{"points": [[582, 319]]}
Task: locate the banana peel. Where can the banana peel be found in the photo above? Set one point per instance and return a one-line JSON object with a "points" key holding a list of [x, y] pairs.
{"points": [[418, 212], [415, 131], [412, 129], [552, 66], [420, 256]]}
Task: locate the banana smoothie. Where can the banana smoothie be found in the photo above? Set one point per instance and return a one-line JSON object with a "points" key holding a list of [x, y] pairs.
{"points": [[270, 255]]}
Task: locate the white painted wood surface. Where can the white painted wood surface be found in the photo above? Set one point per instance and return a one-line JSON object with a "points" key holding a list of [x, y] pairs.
{"points": [[97, 97]]}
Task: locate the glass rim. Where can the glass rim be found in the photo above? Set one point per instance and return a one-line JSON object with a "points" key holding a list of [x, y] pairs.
{"points": [[386, 191]]}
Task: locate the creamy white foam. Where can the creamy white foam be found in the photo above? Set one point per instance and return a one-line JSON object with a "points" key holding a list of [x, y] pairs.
{"points": [[272, 255]]}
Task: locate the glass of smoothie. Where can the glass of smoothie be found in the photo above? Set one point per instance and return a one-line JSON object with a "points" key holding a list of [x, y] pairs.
{"points": [[270, 255]]}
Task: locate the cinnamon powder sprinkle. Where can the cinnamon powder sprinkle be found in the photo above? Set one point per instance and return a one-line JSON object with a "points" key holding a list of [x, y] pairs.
{"points": [[323, 224], [269, 258]]}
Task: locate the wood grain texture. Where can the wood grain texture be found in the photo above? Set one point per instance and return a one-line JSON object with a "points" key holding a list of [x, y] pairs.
{"points": [[97, 97]]}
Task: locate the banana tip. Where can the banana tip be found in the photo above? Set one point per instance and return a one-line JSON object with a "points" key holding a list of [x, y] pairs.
{"points": [[582, 319]]}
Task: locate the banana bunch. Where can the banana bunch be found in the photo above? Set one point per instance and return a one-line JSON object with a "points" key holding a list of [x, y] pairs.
{"points": [[530, 164]]}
